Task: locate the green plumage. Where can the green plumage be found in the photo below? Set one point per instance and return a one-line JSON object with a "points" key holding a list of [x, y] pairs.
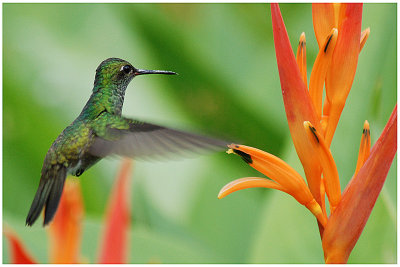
{"points": [[100, 131]]}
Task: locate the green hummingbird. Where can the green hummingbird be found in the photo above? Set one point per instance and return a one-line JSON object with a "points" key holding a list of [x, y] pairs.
{"points": [[100, 131]]}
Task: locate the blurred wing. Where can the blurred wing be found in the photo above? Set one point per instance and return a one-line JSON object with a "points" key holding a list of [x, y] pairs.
{"points": [[143, 140]]}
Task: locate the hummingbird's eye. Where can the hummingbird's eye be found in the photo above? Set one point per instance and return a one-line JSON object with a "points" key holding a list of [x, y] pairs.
{"points": [[127, 69]]}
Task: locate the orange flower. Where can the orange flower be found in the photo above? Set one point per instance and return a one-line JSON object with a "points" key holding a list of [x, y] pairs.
{"points": [[115, 238], [312, 125], [347, 222], [65, 230], [284, 177]]}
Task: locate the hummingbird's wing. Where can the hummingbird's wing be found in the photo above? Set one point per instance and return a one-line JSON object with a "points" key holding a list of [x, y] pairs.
{"points": [[135, 139]]}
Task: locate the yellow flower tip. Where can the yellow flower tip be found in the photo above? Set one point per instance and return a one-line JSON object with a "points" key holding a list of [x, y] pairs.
{"points": [[227, 189], [365, 146], [302, 38], [364, 36], [302, 45], [238, 150], [310, 129], [315, 209], [330, 41], [301, 57], [365, 33], [366, 132], [366, 125]]}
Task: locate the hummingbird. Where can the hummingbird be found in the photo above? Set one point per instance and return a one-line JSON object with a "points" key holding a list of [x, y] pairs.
{"points": [[100, 131]]}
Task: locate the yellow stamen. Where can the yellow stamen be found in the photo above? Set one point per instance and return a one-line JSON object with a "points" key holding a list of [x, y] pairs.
{"points": [[301, 57], [365, 147], [331, 176], [319, 70], [364, 37], [230, 151]]}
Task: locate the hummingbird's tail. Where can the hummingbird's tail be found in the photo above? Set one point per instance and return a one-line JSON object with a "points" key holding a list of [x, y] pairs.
{"points": [[48, 194]]}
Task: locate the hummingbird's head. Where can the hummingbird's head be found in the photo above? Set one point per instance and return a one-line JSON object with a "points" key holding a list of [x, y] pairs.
{"points": [[118, 72]]}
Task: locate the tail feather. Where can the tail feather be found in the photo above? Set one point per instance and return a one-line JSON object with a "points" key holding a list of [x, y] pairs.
{"points": [[54, 198], [48, 195]]}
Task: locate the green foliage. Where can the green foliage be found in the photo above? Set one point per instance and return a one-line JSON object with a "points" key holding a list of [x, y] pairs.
{"points": [[228, 85]]}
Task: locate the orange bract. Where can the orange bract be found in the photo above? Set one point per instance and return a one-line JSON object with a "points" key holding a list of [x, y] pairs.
{"points": [[319, 70], [284, 177], [19, 255], [115, 239], [340, 75], [324, 21], [347, 222], [65, 230], [297, 101]]}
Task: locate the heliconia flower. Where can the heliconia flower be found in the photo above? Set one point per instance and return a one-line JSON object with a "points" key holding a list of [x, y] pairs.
{"points": [[65, 230], [312, 125], [347, 222]]}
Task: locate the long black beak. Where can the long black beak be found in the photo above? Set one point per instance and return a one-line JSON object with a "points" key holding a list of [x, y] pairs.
{"points": [[141, 72]]}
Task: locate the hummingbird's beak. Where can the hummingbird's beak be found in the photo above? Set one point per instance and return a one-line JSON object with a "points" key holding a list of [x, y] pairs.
{"points": [[141, 72]]}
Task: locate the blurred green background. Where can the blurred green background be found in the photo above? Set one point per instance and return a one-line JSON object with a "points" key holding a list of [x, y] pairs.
{"points": [[228, 85]]}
